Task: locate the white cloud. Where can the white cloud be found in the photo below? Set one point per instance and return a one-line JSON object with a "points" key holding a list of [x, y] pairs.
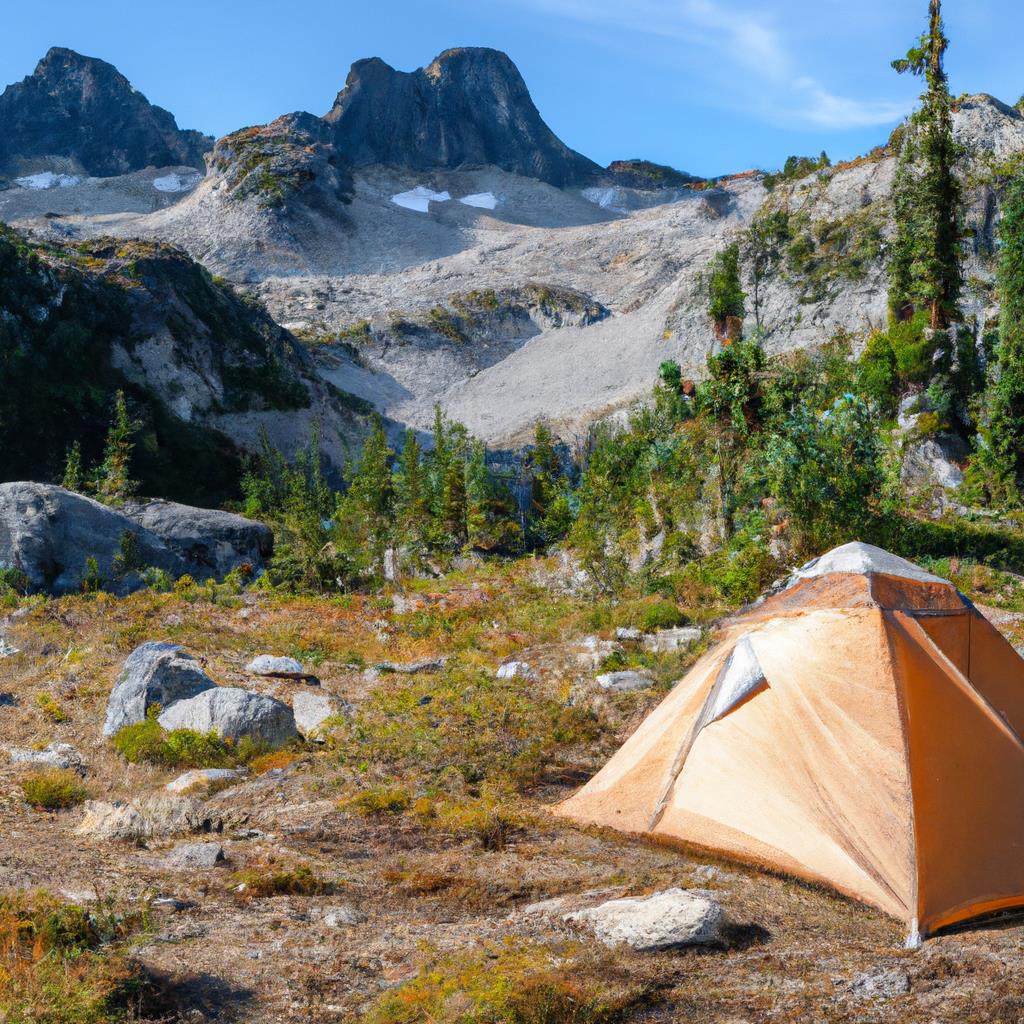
{"points": [[747, 59]]}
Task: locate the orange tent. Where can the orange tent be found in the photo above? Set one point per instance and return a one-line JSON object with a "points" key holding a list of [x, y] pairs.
{"points": [[861, 728]]}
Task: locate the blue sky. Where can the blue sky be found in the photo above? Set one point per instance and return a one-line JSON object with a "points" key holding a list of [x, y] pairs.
{"points": [[709, 86]]}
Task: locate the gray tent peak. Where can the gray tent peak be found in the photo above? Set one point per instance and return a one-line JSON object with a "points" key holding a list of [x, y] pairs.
{"points": [[862, 559]]}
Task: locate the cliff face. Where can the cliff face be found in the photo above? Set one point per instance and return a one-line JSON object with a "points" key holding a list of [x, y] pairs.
{"points": [[82, 115], [469, 107]]}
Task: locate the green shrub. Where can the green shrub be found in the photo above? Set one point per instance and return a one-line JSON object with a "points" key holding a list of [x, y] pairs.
{"points": [[264, 882], [183, 748], [54, 789]]}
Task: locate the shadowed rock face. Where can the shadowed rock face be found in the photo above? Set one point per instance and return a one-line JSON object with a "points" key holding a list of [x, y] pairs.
{"points": [[85, 112], [470, 106]]}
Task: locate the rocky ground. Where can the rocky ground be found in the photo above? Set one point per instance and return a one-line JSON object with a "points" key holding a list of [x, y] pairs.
{"points": [[407, 868]]}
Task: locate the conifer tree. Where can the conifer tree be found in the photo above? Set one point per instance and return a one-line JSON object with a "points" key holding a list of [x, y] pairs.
{"points": [[365, 511], [549, 517], [1005, 433], [72, 480], [490, 506], [726, 298], [412, 499], [924, 267], [114, 485]]}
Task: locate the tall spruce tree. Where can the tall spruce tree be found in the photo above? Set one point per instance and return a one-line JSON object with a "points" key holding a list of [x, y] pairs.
{"points": [[114, 485], [1005, 432], [924, 267], [366, 511], [412, 500]]}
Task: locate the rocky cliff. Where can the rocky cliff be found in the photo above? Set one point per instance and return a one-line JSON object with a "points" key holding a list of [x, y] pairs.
{"points": [[206, 371], [470, 106], [80, 115]]}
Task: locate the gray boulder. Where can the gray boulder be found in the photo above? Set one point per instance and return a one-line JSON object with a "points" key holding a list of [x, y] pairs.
{"points": [[56, 755], [233, 713], [269, 665], [204, 777], [207, 539], [933, 462], [49, 534], [666, 920], [148, 817], [155, 673], [312, 709], [667, 640], [196, 855], [624, 682]]}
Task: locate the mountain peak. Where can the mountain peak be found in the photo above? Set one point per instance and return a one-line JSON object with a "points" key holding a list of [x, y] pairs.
{"points": [[80, 113], [469, 106]]}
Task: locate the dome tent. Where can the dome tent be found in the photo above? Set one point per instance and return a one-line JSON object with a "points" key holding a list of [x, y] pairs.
{"points": [[861, 729]]}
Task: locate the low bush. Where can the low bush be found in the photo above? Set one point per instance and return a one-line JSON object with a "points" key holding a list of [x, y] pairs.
{"points": [[183, 748], [516, 983], [62, 964], [54, 789], [261, 882]]}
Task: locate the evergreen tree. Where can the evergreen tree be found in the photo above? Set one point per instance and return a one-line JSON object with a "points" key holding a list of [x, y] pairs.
{"points": [[726, 298], [490, 507], [72, 480], [731, 397], [114, 485], [1004, 435], [924, 268], [549, 515], [412, 500], [365, 512], [446, 475]]}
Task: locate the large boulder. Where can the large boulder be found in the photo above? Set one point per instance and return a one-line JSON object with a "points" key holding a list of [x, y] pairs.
{"points": [[148, 817], [206, 538], [155, 673], [50, 534], [666, 920], [233, 713]]}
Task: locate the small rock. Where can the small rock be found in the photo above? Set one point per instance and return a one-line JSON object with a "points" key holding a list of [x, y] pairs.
{"points": [[196, 855], [155, 673], [411, 668], [667, 920], [516, 670], [400, 604], [6, 649], [172, 903], [624, 682], [345, 916], [233, 713], [7, 700], [56, 755], [203, 777], [312, 709], [667, 640], [880, 983], [269, 665], [628, 633]]}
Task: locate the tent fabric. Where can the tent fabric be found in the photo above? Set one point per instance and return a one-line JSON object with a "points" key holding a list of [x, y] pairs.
{"points": [[861, 730]]}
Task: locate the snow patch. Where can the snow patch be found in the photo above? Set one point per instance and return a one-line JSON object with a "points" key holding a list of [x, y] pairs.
{"points": [[481, 200], [176, 182], [419, 198], [47, 179], [606, 198]]}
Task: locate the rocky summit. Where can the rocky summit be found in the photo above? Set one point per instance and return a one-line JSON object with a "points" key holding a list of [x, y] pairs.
{"points": [[468, 107], [80, 116]]}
